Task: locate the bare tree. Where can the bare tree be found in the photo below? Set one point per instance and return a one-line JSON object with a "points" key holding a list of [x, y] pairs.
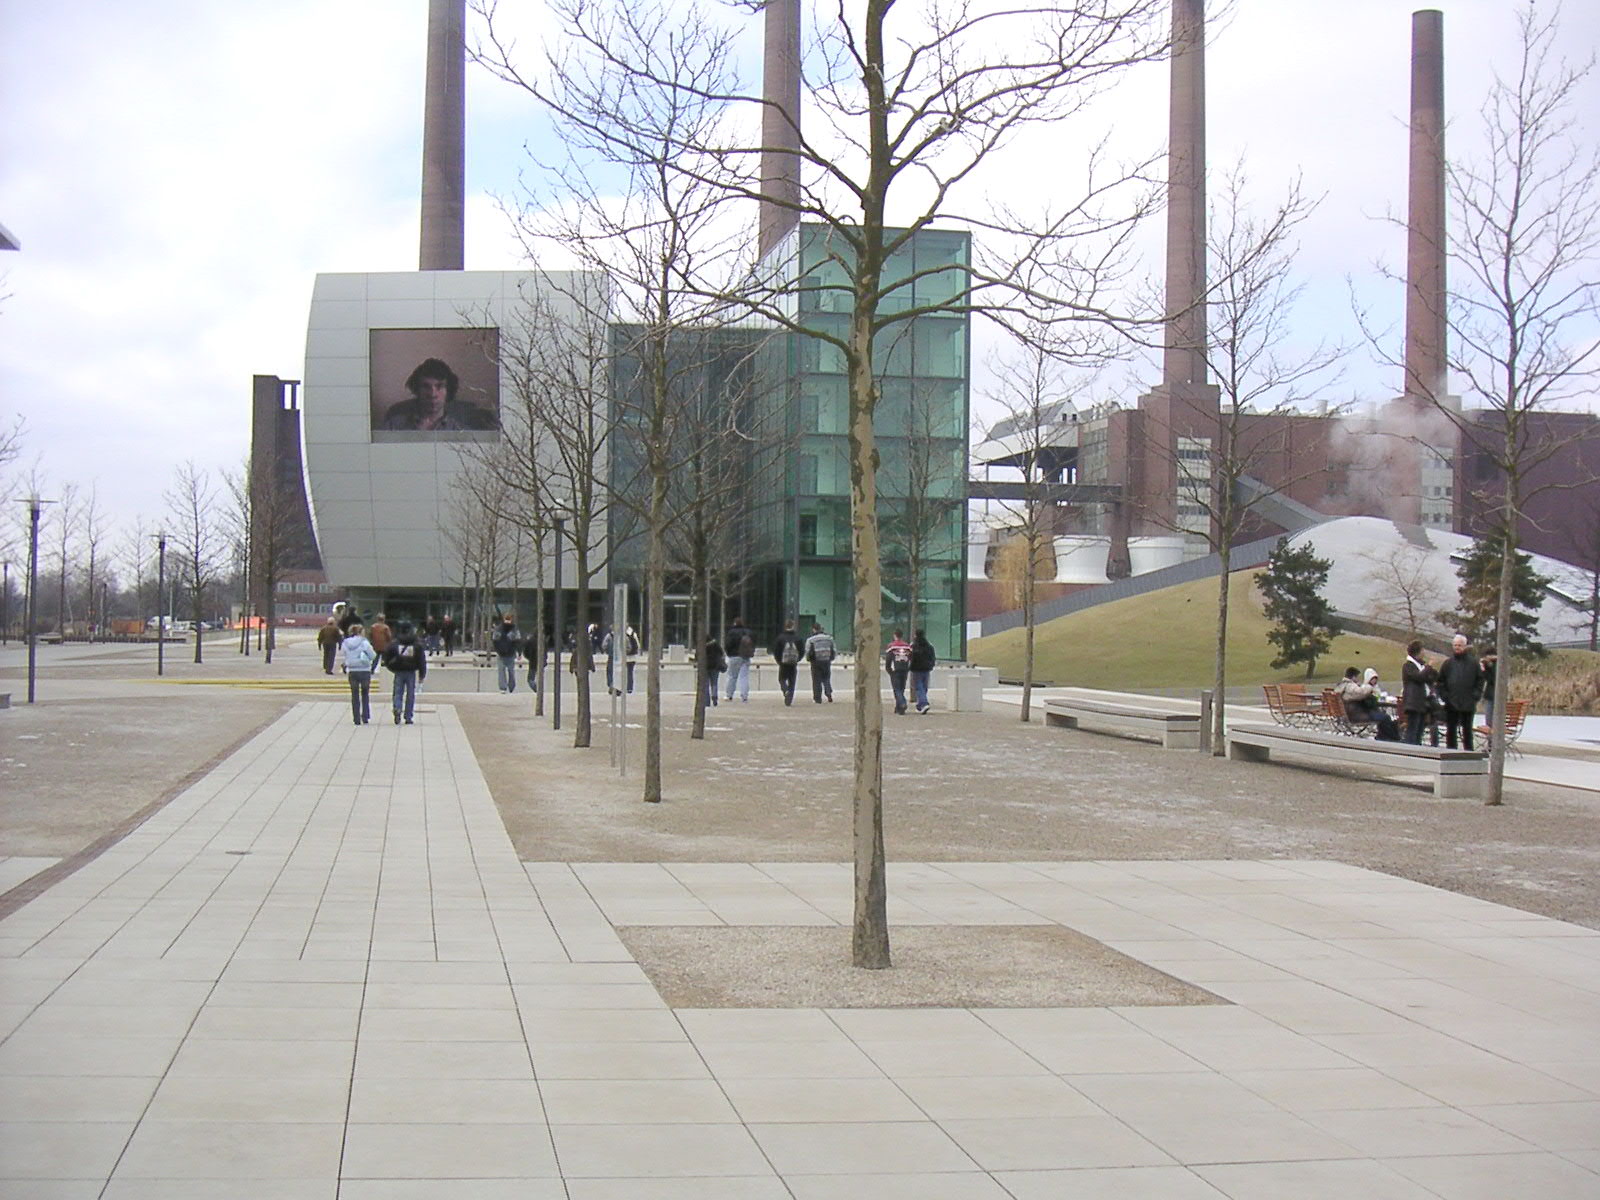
{"points": [[197, 539], [1264, 382], [67, 518], [94, 539], [1525, 292], [913, 100], [1406, 590], [1029, 387], [656, 232]]}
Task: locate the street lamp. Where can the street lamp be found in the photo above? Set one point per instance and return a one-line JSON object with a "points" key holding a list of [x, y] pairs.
{"points": [[555, 685], [5, 604], [34, 506], [161, 616]]}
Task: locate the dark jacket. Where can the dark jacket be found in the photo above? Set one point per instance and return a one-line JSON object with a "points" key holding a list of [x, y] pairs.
{"points": [[1414, 686], [736, 635], [788, 638], [406, 654], [507, 641], [716, 660], [923, 657], [1461, 681]]}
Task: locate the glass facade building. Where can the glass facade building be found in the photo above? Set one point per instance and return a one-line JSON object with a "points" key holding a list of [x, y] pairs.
{"points": [[801, 529]]}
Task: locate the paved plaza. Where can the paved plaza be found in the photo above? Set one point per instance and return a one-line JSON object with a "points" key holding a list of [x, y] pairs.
{"points": [[322, 970]]}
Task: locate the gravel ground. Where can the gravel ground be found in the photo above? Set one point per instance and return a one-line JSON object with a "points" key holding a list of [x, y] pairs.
{"points": [[772, 784]]}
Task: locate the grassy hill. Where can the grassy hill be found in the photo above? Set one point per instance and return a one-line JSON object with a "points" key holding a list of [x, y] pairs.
{"points": [[1166, 639]]}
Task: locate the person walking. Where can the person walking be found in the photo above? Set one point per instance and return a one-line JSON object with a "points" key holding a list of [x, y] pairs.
{"points": [[897, 662], [409, 663], [447, 630], [740, 647], [507, 644], [923, 658], [819, 653], [630, 641], [787, 651], [1460, 686], [380, 635], [716, 664], [1416, 680], [360, 657], [328, 639]]}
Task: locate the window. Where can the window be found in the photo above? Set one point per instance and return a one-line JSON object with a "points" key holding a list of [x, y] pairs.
{"points": [[808, 534]]}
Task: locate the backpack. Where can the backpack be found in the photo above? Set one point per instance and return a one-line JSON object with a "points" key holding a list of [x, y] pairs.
{"points": [[404, 657], [822, 652], [790, 653], [747, 646]]}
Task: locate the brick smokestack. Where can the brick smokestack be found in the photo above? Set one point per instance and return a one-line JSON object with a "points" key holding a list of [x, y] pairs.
{"points": [[1184, 359], [1426, 371], [444, 138], [780, 123]]}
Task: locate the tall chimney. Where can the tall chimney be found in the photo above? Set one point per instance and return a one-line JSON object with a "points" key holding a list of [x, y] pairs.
{"points": [[1426, 370], [1184, 360], [444, 138], [780, 123]]}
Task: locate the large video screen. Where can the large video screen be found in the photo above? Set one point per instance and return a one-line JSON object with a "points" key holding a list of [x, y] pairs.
{"points": [[435, 384]]}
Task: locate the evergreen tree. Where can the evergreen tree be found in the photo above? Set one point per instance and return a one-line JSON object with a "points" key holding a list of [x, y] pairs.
{"points": [[1303, 624], [1479, 572]]}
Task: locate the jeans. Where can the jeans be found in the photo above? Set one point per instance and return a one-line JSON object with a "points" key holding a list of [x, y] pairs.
{"points": [[360, 696], [786, 680], [919, 688], [1461, 718], [711, 686], [405, 694], [508, 672], [897, 680], [327, 659], [611, 672], [821, 680], [738, 677]]}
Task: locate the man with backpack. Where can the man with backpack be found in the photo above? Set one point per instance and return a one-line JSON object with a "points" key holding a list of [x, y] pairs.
{"points": [[406, 659], [923, 660], [819, 653], [507, 644], [897, 661], [740, 646], [787, 650]]}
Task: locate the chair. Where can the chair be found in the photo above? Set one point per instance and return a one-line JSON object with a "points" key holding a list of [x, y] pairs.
{"points": [[1516, 715], [1299, 709], [1336, 716]]}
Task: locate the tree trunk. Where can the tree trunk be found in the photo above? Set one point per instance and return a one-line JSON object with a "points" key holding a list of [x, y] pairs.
{"points": [[1502, 649], [870, 935], [198, 607], [582, 655], [1219, 682], [702, 611], [655, 584], [1028, 610]]}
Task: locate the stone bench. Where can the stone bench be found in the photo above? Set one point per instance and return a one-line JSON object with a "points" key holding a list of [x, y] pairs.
{"points": [[5, 699], [1175, 731], [1457, 774]]}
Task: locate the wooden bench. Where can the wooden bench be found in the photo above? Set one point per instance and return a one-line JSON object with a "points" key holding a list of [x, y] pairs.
{"points": [[1176, 731], [1457, 774]]}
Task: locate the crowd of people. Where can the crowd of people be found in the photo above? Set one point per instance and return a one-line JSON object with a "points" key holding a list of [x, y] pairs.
{"points": [[1447, 693], [404, 650]]}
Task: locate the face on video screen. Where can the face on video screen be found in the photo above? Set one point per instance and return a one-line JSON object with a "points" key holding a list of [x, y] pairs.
{"points": [[436, 384]]}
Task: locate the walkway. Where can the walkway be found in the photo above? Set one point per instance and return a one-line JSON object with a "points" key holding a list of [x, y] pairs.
{"points": [[322, 972]]}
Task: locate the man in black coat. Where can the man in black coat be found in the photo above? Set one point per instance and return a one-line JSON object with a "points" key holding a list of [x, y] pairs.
{"points": [[1460, 686], [787, 651]]}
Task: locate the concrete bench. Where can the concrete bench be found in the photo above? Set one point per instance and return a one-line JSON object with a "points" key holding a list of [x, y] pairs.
{"points": [[1457, 774], [5, 699], [1176, 731]]}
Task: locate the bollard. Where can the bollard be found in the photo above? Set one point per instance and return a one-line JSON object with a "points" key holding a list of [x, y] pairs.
{"points": [[1205, 721]]}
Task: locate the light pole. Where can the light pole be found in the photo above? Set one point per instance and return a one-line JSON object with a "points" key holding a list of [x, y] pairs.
{"points": [[555, 685], [34, 506], [161, 616], [5, 604]]}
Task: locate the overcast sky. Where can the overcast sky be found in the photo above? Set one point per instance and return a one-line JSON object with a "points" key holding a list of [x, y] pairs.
{"points": [[178, 171]]}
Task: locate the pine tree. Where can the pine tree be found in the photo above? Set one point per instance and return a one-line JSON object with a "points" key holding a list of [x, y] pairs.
{"points": [[1479, 572], [1303, 624]]}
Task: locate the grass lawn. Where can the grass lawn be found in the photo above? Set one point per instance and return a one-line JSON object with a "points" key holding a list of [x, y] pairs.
{"points": [[1167, 639]]}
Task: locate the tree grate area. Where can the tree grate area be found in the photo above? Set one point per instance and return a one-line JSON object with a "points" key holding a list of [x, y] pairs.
{"points": [[935, 966]]}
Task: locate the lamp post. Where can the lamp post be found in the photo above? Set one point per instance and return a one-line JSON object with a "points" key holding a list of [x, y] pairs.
{"points": [[555, 686], [161, 616], [34, 506], [5, 604]]}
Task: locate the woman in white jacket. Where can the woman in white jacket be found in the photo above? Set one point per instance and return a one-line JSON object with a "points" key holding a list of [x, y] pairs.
{"points": [[359, 661]]}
